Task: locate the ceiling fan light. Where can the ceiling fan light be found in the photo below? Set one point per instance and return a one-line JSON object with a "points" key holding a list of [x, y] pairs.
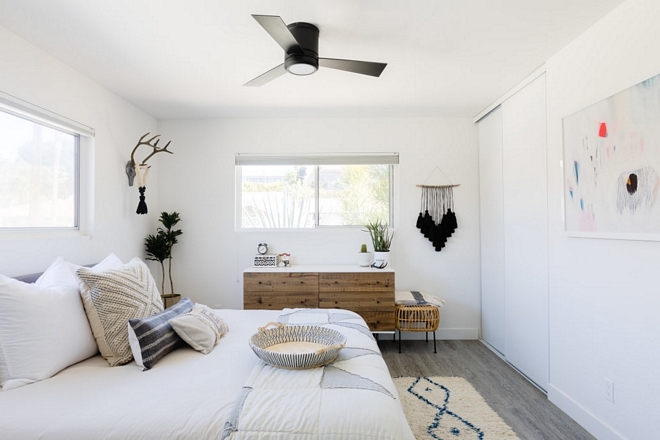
{"points": [[301, 69]]}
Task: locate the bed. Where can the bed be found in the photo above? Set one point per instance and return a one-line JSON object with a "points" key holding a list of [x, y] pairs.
{"points": [[226, 394]]}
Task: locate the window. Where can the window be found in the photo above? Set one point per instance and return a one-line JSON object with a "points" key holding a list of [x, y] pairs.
{"points": [[275, 191], [39, 171]]}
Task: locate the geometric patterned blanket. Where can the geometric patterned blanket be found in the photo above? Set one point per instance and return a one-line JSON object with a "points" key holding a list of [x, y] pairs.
{"points": [[351, 398]]}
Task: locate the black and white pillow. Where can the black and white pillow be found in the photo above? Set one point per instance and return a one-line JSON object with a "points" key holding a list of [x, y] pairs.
{"points": [[153, 337], [111, 298]]}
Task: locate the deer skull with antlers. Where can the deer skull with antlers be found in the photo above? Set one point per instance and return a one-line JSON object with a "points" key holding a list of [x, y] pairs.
{"points": [[141, 171]]}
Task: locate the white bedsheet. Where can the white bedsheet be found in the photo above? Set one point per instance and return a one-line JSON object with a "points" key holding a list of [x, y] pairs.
{"points": [[186, 395]]}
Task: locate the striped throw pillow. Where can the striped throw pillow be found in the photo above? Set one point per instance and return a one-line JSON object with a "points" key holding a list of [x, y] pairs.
{"points": [[153, 337]]}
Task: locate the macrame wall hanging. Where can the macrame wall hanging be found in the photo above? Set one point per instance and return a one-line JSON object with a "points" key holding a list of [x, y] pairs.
{"points": [[437, 219]]}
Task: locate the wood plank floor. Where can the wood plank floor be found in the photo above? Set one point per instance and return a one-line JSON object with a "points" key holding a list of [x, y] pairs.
{"points": [[520, 404]]}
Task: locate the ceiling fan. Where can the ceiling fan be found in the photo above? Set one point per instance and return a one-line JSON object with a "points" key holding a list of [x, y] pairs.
{"points": [[300, 42]]}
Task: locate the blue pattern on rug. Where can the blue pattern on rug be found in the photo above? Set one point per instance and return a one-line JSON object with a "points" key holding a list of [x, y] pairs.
{"points": [[437, 396]]}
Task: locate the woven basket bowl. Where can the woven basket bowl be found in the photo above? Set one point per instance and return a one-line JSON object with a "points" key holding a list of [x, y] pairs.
{"points": [[331, 339]]}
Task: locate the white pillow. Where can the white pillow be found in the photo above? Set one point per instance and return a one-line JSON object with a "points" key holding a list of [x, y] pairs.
{"points": [[43, 326], [110, 262], [201, 328]]}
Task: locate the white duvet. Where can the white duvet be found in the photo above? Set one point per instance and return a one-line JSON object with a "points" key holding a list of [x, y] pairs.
{"points": [[349, 399], [187, 395]]}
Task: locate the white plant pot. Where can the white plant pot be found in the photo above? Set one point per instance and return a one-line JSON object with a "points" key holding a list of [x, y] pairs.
{"points": [[381, 257], [364, 259]]}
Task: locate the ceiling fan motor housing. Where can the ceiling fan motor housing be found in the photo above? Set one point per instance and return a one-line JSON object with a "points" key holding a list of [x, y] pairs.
{"points": [[307, 62]]}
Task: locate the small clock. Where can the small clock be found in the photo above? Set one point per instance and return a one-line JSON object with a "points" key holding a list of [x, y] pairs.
{"points": [[262, 248]]}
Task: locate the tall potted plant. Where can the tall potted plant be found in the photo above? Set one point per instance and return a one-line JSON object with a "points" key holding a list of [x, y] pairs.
{"points": [[381, 240], [159, 248]]}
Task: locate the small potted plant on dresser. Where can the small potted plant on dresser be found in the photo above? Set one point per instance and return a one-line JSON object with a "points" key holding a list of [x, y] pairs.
{"points": [[159, 248], [382, 240], [364, 257]]}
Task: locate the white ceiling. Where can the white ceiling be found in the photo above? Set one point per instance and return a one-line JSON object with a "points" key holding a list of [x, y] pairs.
{"points": [[190, 58]]}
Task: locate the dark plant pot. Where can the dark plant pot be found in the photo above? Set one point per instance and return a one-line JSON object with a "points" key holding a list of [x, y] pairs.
{"points": [[171, 299]]}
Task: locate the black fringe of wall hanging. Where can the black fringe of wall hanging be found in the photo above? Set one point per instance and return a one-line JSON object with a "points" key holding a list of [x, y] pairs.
{"points": [[437, 220]]}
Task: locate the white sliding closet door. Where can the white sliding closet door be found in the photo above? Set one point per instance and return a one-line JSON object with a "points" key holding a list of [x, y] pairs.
{"points": [[492, 230], [525, 206]]}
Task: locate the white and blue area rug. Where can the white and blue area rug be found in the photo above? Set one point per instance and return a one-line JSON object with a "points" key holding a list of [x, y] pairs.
{"points": [[449, 408]]}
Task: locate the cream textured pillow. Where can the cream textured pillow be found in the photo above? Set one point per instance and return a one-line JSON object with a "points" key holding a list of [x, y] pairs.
{"points": [[43, 327], [113, 298], [201, 328]]}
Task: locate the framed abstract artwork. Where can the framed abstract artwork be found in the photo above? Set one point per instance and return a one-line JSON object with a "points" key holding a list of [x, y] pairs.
{"points": [[612, 166]]}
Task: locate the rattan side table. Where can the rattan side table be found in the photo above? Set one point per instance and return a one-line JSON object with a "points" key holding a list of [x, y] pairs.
{"points": [[417, 318]]}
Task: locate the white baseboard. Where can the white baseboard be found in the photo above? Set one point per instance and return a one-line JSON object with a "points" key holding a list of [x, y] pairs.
{"points": [[443, 333], [584, 417]]}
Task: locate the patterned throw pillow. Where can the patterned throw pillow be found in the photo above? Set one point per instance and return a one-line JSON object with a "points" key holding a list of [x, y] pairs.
{"points": [[201, 328], [152, 338], [113, 298]]}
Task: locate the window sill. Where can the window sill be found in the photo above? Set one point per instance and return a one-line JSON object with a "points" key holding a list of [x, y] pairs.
{"points": [[40, 234]]}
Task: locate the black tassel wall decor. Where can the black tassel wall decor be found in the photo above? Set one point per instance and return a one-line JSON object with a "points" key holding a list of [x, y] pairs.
{"points": [[438, 222], [142, 173], [142, 206]]}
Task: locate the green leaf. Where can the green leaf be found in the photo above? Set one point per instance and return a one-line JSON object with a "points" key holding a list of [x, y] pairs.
{"points": [[158, 247]]}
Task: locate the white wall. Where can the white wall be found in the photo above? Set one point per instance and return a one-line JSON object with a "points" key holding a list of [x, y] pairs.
{"points": [[34, 76], [211, 255], [604, 294]]}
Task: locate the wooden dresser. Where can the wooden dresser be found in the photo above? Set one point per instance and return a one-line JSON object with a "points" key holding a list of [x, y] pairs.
{"points": [[366, 291]]}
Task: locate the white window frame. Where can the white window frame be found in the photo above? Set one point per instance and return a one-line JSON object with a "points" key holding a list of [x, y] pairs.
{"points": [[83, 167], [315, 160]]}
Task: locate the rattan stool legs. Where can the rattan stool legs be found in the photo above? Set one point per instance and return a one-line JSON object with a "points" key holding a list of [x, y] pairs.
{"points": [[418, 318]]}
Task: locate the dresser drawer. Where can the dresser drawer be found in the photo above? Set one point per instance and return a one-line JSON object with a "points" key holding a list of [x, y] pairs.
{"points": [[357, 301], [379, 321], [356, 282], [279, 300], [281, 282]]}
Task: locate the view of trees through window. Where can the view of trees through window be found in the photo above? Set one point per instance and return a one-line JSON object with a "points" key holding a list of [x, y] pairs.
{"points": [[284, 196], [38, 168]]}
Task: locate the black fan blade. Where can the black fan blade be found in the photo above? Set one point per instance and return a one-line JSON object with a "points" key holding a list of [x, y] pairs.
{"points": [[361, 67], [277, 29], [262, 79]]}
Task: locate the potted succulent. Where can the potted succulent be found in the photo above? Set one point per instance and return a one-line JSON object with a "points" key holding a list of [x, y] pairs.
{"points": [[364, 257], [382, 240], [159, 248]]}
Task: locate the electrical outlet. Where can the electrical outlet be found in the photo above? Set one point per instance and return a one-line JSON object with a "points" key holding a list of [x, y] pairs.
{"points": [[217, 306], [609, 390]]}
